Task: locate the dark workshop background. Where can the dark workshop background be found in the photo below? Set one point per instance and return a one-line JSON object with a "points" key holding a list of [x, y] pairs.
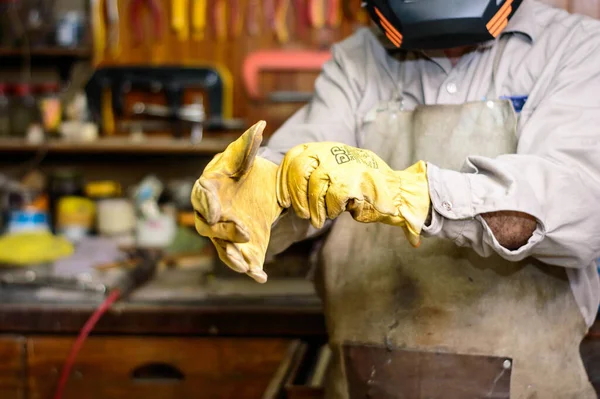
{"points": [[104, 121]]}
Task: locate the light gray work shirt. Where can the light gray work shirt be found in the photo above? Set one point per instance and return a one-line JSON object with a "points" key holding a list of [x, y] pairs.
{"points": [[553, 59]]}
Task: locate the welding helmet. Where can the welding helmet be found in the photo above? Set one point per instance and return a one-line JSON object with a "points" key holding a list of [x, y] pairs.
{"points": [[440, 24]]}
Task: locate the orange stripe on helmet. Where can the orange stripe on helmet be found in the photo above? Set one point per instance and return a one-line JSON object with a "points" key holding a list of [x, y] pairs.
{"points": [[393, 39], [500, 19], [500, 28], [390, 31], [503, 19]]}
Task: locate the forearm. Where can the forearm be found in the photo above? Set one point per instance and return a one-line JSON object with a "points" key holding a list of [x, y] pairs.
{"points": [[511, 229], [517, 207]]}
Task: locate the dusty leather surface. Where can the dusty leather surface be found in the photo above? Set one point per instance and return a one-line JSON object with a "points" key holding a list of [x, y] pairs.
{"points": [[443, 298]]}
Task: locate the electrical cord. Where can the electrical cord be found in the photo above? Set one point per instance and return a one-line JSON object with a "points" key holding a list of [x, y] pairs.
{"points": [[83, 334]]}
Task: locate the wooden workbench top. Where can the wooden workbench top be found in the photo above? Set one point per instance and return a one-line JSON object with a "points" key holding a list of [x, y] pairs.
{"points": [[298, 313]]}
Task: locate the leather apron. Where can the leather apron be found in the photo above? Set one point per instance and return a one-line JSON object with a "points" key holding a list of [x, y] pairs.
{"points": [[440, 321]]}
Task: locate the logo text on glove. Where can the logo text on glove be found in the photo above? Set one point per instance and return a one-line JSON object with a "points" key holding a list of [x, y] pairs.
{"points": [[344, 154]]}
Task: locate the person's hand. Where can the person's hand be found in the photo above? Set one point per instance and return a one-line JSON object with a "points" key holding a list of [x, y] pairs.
{"points": [[322, 180], [235, 204]]}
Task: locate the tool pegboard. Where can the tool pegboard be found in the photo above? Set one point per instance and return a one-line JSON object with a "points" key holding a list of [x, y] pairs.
{"points": [[250, 42]]}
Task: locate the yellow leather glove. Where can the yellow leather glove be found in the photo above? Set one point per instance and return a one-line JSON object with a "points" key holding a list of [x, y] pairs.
{"points": [[236, 204], [322, 180]]}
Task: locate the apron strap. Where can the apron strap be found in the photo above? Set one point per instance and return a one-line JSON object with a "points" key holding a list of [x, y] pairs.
{"points": [[502, 41]]}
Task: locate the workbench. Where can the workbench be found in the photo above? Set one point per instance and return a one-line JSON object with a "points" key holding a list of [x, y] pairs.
{"points": [[204, 345], [208, 345]]}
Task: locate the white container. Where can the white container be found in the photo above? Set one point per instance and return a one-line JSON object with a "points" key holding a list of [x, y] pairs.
{"points": [[158, 232], [116, 217]]}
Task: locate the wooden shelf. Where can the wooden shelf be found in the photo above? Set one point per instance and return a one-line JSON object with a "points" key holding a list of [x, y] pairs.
{"points": [[209, 145], [46, 52]]}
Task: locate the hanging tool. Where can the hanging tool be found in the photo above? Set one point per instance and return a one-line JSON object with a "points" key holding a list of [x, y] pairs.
{"points": [[98, 29], [280, 60], [334, 14], [301, 14], [199, 19], [281, 28], [179, 19], [220, 19], [136, 8], [252, 22], [348, 9], [269, 11], [108, 117], [105, 27], [236, 18], [112, 14], [316, 13]]}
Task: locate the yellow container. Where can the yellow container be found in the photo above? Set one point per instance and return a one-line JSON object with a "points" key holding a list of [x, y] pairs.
{"points": [[75, 217]]}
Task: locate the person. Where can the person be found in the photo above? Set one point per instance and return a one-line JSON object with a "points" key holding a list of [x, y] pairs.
{"points": [[450, 163]]}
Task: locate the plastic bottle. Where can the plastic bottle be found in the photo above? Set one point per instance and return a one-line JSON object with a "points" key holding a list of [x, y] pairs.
{"points": [[50, 107]]}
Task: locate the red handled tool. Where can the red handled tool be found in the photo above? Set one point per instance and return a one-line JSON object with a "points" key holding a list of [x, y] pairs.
{"points": [[334, 14], [236, 18], [136, 8], [220, 19], [301, 14], [252, 22], [269, 11]]}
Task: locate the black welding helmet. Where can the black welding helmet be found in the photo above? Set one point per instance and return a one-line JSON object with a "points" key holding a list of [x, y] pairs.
{"points": [[440, 24]]}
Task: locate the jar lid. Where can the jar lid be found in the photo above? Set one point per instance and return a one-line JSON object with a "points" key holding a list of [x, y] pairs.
{"points": [[103, 189]]}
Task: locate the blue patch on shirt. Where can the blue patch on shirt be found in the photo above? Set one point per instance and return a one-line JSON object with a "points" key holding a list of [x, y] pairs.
{"points": [[518, 102]]}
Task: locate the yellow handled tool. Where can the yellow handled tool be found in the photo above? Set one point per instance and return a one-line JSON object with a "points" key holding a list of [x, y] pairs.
{"points": [[281, 28], [317, 13], [179, 18], [112, 13], [99, 30], [198, 19]]}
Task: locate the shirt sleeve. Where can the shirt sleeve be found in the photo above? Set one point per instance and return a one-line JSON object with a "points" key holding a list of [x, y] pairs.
{"points": [[554, 176], [330, 116]]}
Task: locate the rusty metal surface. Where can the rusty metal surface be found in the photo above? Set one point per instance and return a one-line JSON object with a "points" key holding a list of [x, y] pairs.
{"points": [[389, 373]]}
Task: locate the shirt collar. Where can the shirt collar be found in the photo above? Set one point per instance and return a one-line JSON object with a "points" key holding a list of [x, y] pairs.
{"points": [[524, 21]]}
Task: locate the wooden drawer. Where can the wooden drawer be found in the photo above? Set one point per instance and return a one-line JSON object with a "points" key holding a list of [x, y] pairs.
{"points": [[123, 367], [12, 367]]}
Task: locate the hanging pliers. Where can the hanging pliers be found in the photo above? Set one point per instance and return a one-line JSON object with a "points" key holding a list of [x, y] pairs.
{"points": [[136, 8]]}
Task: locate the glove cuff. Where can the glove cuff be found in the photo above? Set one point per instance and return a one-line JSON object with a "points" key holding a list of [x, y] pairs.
{"points": [[413, 199]]}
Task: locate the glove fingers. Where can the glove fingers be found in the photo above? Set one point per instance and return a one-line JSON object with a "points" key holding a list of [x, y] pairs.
{"points": [[283, 191], [336, 201], [232, 231], [230, 255], [205, 202], [318, 185], [255, 261], [299, 173]]}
